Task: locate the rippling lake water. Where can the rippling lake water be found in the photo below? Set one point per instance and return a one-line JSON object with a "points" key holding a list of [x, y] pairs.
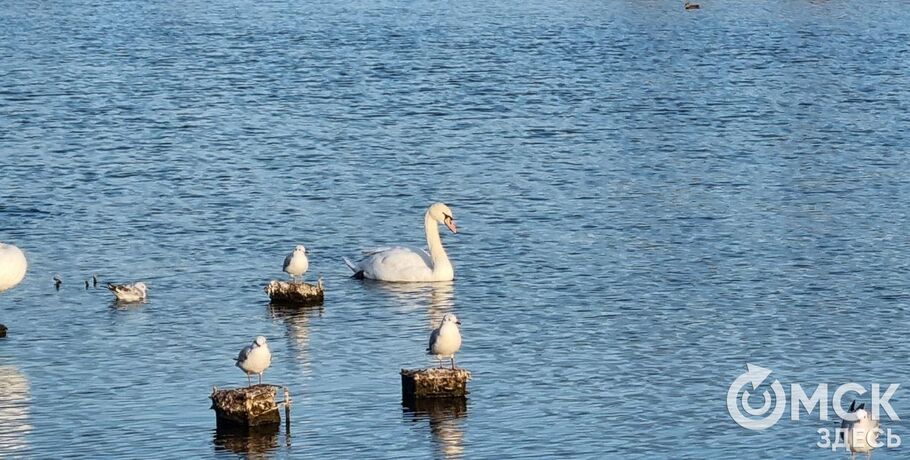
{"points": [[648, 200]]}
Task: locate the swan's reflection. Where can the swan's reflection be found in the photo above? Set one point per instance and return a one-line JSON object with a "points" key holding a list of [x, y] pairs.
{"points": [[297, 320], [438, 298], [445, 417], [14, 404], [251, 443]]}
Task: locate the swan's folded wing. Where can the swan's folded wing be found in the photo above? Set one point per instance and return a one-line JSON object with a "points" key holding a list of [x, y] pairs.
{"points": [[397, 263], [402, 257], [369, 252]]}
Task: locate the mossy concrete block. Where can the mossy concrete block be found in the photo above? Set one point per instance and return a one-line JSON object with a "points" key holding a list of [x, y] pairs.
{"points": [[434, 383], [247, 406], [295, 293]]}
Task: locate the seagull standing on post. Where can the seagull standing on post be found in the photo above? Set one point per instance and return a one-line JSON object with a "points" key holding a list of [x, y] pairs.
{"points": [[445, 340], [296, 263], [255, 358]]}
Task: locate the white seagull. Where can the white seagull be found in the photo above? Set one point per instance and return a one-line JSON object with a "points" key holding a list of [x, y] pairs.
{"points": [[406, 264], [255, 358], [296, 263], [12, 266], [128, 292], [445, 340], [861, 434]]}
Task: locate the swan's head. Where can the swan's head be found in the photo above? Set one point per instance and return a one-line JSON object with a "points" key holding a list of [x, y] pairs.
{"points": [[442, 214], [300, 248], [260, 341], [450, 318]]}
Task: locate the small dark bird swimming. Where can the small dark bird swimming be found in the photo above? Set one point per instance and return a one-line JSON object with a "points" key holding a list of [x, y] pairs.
{"points": [[57, 282], [691, 6]]}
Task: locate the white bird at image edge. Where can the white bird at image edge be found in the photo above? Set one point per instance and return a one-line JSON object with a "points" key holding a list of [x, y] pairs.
{"points": [[12, 266]]}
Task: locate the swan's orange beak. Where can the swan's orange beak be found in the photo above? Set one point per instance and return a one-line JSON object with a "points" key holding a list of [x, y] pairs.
{"points": [[450, 224]]}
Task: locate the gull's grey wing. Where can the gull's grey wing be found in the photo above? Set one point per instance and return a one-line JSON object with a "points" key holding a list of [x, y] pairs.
{"points": [[287, 261], [244, 353], [433, 337], [117, 288]]}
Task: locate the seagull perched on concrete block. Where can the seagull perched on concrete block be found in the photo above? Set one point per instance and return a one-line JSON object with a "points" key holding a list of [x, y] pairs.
{"points": [[255, 358], [445, 340], [296, 263]]}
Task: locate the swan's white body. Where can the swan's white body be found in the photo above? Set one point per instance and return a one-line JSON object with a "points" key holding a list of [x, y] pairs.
{"points": [[445, 340], [128, 292], [12, 266], [296, 263], [407, 264], [255, 358]]}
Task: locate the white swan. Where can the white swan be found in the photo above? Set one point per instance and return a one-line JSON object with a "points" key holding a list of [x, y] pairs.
{"points": [[406, 264], [12, 266]]}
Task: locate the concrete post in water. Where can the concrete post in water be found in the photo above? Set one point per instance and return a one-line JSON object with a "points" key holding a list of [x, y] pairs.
{"points": [[295, 293], [247, 406], [434, 383]]}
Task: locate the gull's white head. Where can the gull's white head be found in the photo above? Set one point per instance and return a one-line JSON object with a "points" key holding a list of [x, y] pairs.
{"points": [[300, 248], [861, 414], [260, 341], [442, 214], [449, 318]]}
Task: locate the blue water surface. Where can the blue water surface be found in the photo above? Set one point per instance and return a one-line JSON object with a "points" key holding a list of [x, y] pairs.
{"points": [[648, 199]]}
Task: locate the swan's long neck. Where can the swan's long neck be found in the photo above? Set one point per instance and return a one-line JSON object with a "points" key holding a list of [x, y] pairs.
{"points": [[434, 243]]}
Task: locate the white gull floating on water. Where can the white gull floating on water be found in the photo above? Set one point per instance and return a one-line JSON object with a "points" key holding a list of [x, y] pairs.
{"points": [[860, 434], [12, 266], [255, 358], [296, 263], [445, 340], [128, 292]]}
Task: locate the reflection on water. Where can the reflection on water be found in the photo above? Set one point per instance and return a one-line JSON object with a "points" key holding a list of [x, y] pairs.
{"points": [[438, 298], [445, 417], [297, 320], [14, 401], [126, 306], [252, 443]]}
